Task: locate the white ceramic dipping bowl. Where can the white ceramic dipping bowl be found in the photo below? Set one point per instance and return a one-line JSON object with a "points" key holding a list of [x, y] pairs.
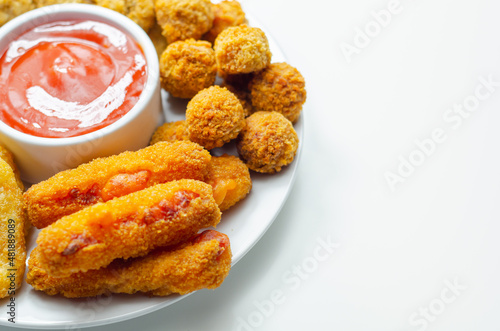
{"points": [[39, 158]]}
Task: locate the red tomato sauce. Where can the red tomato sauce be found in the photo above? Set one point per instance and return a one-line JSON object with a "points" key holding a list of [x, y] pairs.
{"points": [[69, 78]]}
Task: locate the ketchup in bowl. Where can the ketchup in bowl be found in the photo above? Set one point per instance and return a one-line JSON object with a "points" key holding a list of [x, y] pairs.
{"points": [[69, 78]]}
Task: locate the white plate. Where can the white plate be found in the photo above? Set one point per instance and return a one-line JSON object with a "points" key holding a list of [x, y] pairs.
{"points": [[244, 223]]}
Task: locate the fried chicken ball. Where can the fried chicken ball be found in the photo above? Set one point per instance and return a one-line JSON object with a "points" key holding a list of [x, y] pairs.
{"points": [[184, 19], [230, 180], [280, 87], [242, 49], [187, 67], [268, 142], [171, 132], [141, 12], [214, 117], [10, 9], [243, 96], [226, 14]]}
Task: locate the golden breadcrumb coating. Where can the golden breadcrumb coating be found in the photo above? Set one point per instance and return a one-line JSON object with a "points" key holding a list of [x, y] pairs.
{"points": [[43, 3], [106, 178], [226, 14], [159, 40], [230, 180], [202, 262], [141, 12], [280, 87], [129, 226], [184, 19], [10, 9], [187, 67], [241, 50], [171, 132], [243, 96], [9, 158], [12, 232], [268, 142], [214, 117]]}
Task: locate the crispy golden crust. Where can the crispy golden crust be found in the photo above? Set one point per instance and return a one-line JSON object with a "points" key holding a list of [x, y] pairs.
{"points": [[43, 3], [214, 117], [280, 87], [187, 67], [202, 262], [268, 143], [125, 227], [141, 12], [243, 96], [105, 178], [173, 131], [10, 9], [242, 49], [230, 180], [226, 14], [12, 231], [158, 39], [184, 19], [7, 157]]}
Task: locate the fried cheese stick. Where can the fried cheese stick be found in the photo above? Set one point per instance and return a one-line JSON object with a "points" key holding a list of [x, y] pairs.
{"points": [[106, 178], [202, 262], [12, 232], [129, 226]]}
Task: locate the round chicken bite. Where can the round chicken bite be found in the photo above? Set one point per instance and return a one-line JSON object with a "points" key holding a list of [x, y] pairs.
{"points": [[141, 12], [241, 49], [184, 19], [187, 67], [10, 9], [214, 117], [226, 14], [280, 87], [268, 142], [230, 180], [170, 132]]}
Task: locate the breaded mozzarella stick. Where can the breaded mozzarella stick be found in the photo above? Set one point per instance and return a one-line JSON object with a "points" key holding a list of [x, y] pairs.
{"points": [[202, 262], [106, 178], [125, 227]]}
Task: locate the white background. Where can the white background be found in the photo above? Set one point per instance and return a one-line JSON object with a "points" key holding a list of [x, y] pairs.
{"points": [[424, 256]]}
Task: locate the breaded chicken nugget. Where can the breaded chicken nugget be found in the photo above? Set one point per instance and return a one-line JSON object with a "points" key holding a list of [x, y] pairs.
{"points": [[230, 180], [268, 142], [10, 9], [187, 67], [241, 50], [129, 226], [280, 87], [214, 117], [141, 12], [106, 178], [12, 232], [173, 131], [226, 14], [202, 262], [184, 19], [159, 40]]}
